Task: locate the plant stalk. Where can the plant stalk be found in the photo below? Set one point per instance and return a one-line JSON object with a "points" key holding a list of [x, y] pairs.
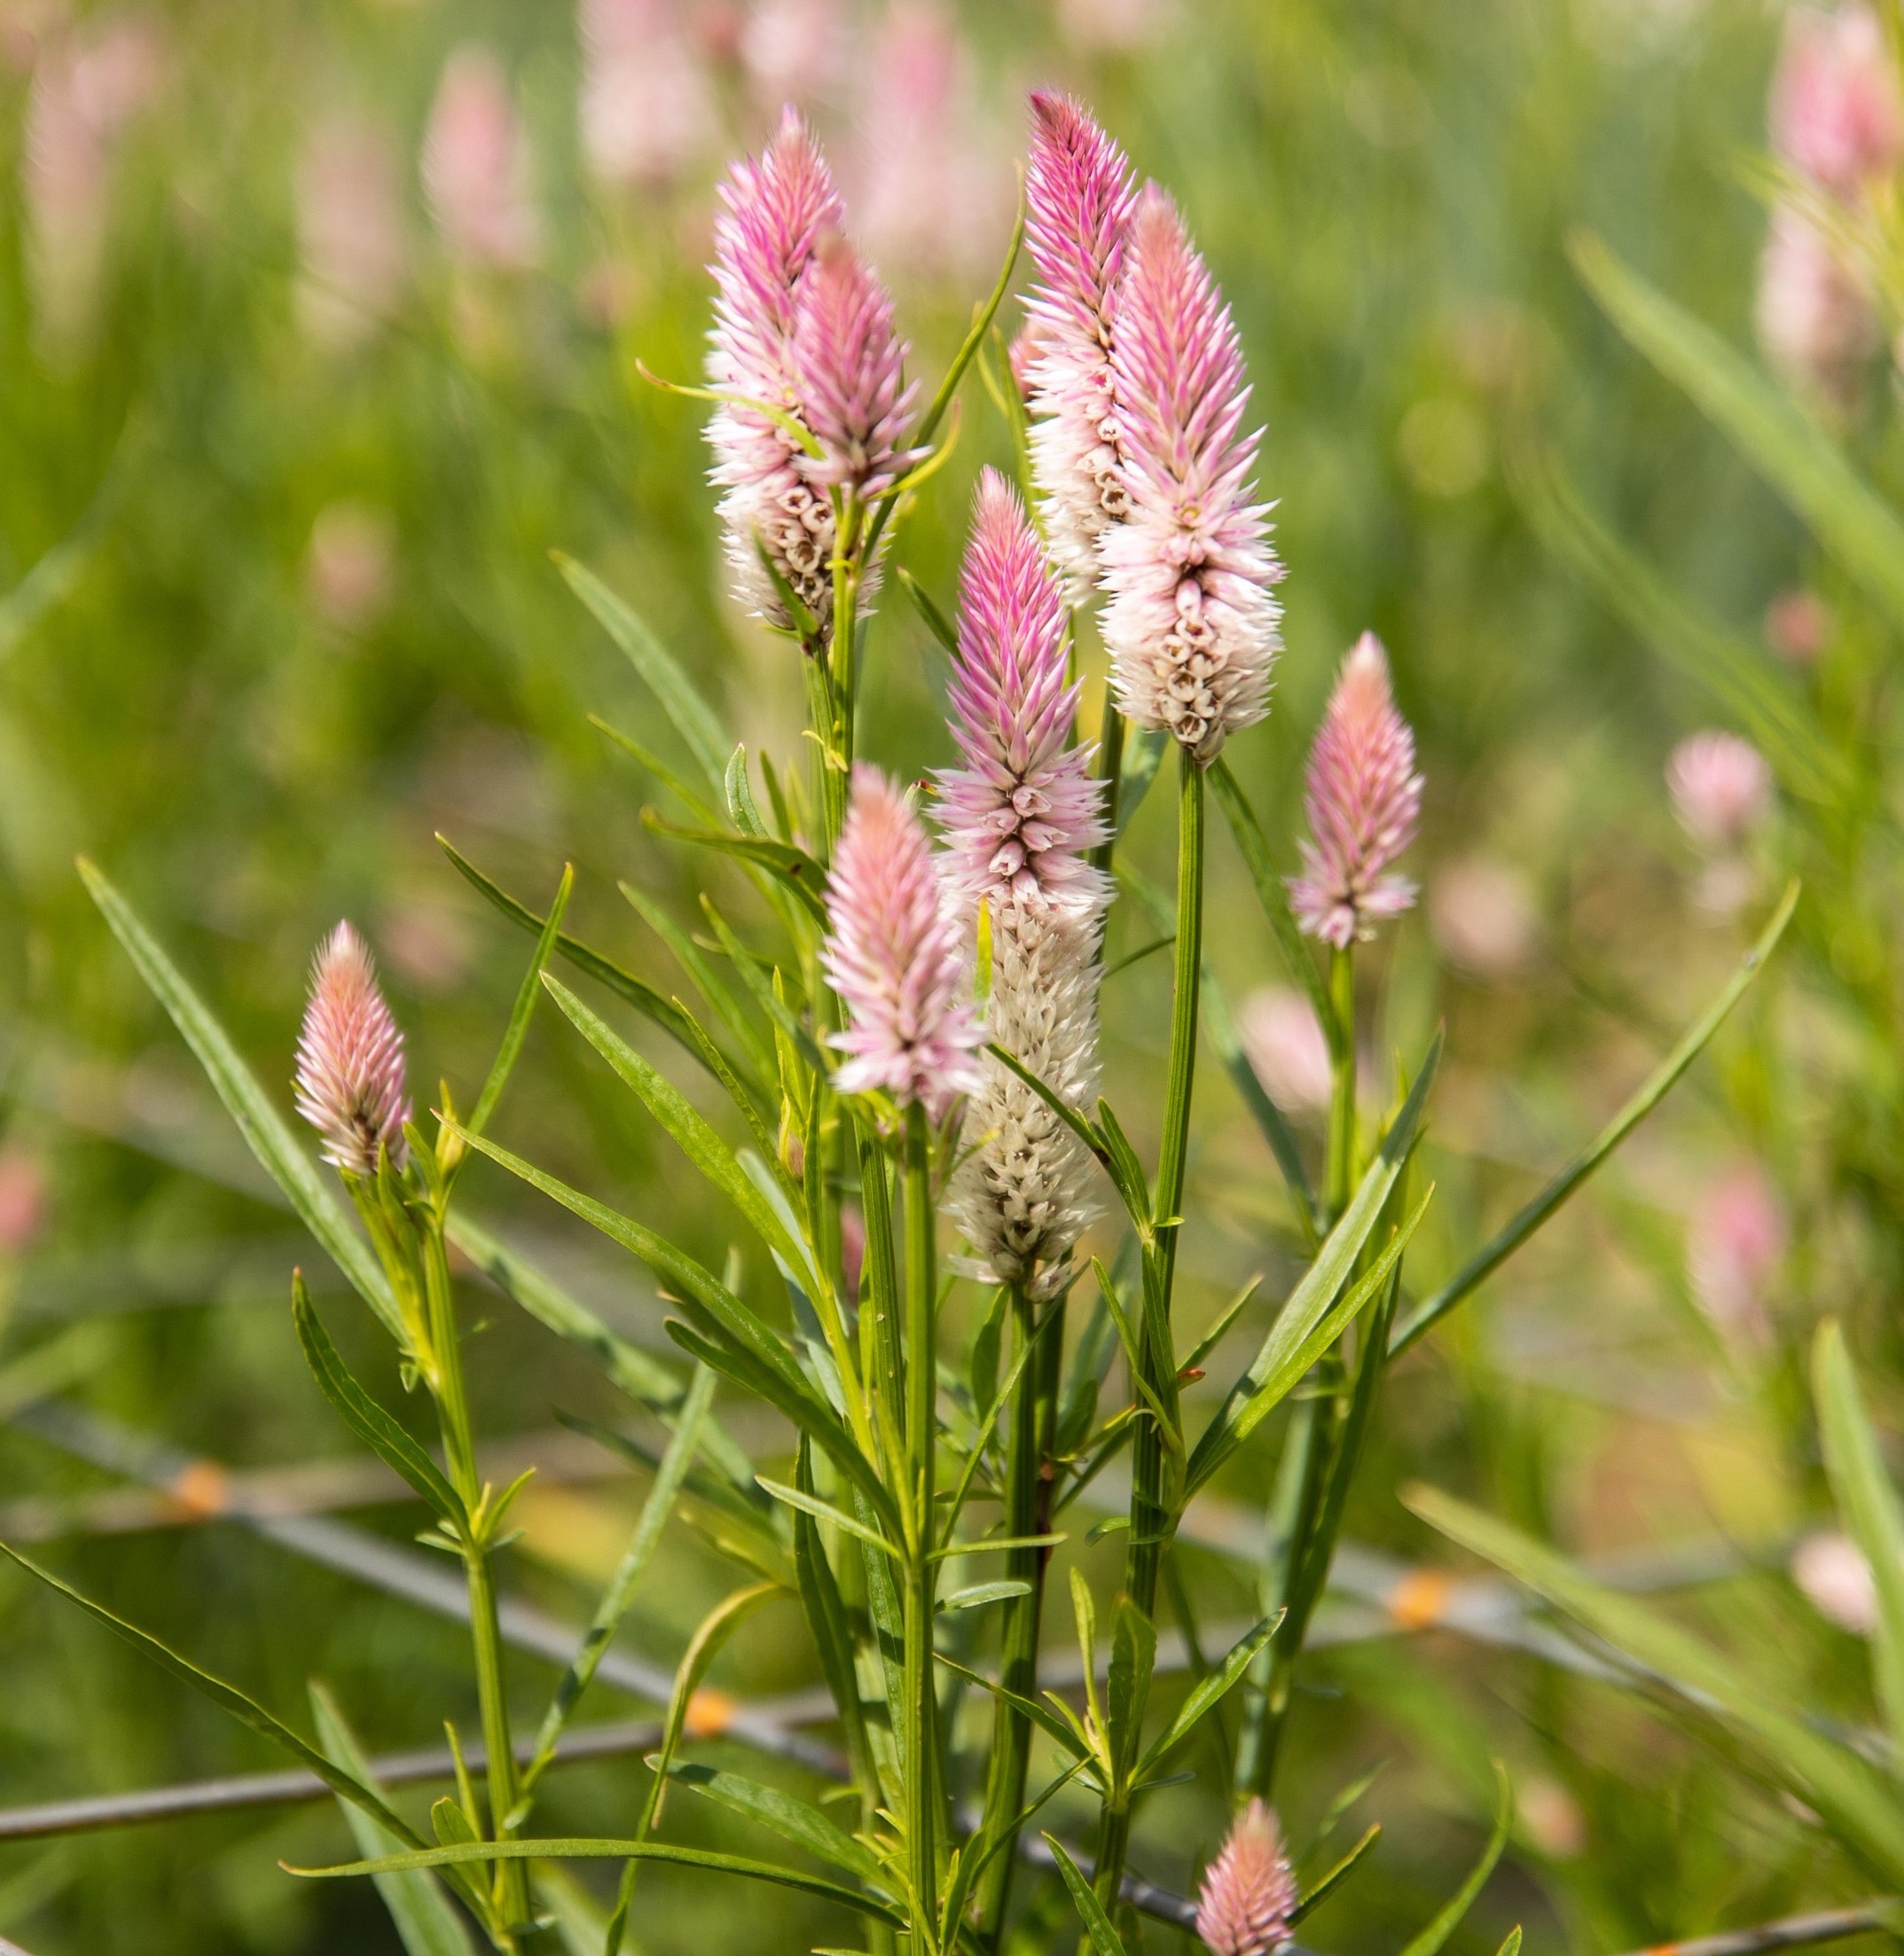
{"points": [[1341, 1176], [921, 1381], [1110, 772]]}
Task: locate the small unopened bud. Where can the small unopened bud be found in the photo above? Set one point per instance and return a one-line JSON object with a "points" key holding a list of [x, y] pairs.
{"points": [[350, 1061], [1248, 1890]]}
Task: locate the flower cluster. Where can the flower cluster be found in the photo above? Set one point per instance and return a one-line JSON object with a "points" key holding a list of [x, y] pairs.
{"points": [[1019, 818], [1362, 798], [1248, 1892], [350, 1061], [803, 339]]}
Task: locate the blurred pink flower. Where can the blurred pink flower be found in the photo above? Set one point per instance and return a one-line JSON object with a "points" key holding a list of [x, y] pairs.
{"points": [[1286, 1048], [348, 562], [1249, 1891], [1113, 27], [647, 106], [932, 194], [1735, 1244], [23, 1198], [1814, 313], [87, 86], [1830, 1569], [1720, 786], [476, 165], [849, 365], [1797, 623], [1551, 1817], [1483, 917], [794, 50], [1836, 113], [1191, 621], [892, 955], [1363, 799], [350, 229], [852, 1248], [350, 1061]]}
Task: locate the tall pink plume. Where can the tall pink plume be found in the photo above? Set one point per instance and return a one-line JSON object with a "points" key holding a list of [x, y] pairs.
{"points": [[1836, 113], [893, 956], [778, 206], [1249, 1891], [1191, 624], [848, 368], [1022, 813], [1363, 799], [350, 1059], [1080, 194]]}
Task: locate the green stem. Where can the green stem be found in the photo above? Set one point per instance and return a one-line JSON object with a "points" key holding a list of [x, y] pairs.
{"points": [[459, 1451], [1110, 772], [921, 1379], [1341, 1176], [1029, 1484], [1291, 1501]]}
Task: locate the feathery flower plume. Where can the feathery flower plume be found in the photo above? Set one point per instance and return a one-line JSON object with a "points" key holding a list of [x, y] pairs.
{"points": [[1836, 113], [476, 165], [1078, 200], [350, 1059], [1019, 818], [893, 957], [849, 371], [1720, 786], [1286, 1048], [779, 206], [1248, 1890], [1191, 624], [1363, 799]]}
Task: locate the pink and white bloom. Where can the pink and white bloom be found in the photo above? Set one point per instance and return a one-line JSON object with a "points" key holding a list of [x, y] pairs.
{"points": [[849, 369], [1191, 624], [1814, 313], [1831, 1568], [351, 242], [476, 165], [647, 107], [1286, 1048], [1837, 115], [1363, 799], [893, 956], [778, 206], [1248, 1890], [1019, 818], [350, 1061], [1079, 195], [1733, 1247], [1722, 787], [794, 50], [1484, 916]]}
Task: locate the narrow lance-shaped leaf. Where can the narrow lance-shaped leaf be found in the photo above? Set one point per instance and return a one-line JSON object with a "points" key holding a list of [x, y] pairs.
{"points": [[1449, 1919], [792, 1819], [1209, 1694], [1105, 1940], [1651, 1092], [531, 990]]}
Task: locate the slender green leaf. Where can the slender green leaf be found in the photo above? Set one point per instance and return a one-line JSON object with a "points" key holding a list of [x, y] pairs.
{"points": [[1430, 1940], [1219, 1028], [426, 1924], [1855, 1800], [1315, 1897], [1104, 1939], [364, 1417], [1209, 1692], [1870, 1506], [1042, 1716], [930, 420], [1134, 1660], [703, 810], [1793, 453], [1143, 756], [265, 1130], [228, 1697], [792, 1819], [789, 864], [517, 1029], [694, 719], [825, 1511], [1650, 1092], [977, 1595], [937, 622], [741, 1023]]}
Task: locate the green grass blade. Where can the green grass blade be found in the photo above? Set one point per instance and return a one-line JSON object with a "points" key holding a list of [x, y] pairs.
{"points": [[792, 1819], [266, 1131], [789, 865], [700, 809], [1788, 448], [1650, 1092], [1869, 1505], [1210, 1692], [247, 1710], [426, 1924], [524, 1009], [1327, 1884], [719, 994], [1431, 1939], [1854, 1799], [1104, 1939], [694, 719]]}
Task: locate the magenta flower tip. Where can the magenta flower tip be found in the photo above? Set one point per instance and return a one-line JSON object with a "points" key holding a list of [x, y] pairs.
{"points": [[350, 1061], [849, 371], [1363, 799], [892, 955], [1192, 622], [1249, 1891]]}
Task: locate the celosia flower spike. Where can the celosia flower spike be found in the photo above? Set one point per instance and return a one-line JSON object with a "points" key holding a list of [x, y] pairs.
{"points": [[1249, 1891], [893, 956], [1363, 799], [1022, 811], [1191, 624], [778, 206], [1080, 194], [350, 1061], [848, 372]]}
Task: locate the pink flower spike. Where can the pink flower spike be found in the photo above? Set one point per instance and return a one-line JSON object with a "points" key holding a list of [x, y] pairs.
{"points": [[1191, 624], [350, 1061], [1837, 116], [892, 956], [849, 364], [1363, 799], [778, 208], [476, 165], [1720, 786], [1022, 813], [1248, 1890], [1080, 194]]}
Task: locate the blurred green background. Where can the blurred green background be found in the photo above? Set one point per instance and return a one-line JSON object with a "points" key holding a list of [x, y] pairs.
{"points": [[319, 327]]}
